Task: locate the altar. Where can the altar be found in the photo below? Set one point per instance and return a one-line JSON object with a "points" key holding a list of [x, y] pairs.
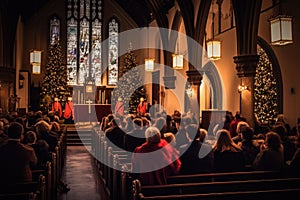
{"points": [[91, 112]]}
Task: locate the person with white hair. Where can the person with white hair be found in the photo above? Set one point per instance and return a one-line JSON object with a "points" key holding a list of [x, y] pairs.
{"points": [[155, 160]]}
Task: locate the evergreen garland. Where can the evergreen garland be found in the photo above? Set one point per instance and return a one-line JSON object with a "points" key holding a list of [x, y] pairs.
{"points": [[55, 80], [265, 90]]}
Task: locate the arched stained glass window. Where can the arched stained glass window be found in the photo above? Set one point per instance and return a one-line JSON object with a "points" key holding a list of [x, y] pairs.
{"points": [[54, 29], [84, 28], [113, 45]]}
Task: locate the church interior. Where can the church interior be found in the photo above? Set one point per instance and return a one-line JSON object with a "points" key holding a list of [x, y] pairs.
{"points": [[94, 66]]}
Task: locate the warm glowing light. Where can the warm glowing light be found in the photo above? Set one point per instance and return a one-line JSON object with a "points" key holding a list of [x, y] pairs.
{"points": [[36, 68], [177, 61], [214, 49], [281, 30], [149, 64]]}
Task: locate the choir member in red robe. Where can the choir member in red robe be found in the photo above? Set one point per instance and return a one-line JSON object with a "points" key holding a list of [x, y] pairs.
{"points": [[69, 111], [119, 107], [142, 107], [57, 108]]}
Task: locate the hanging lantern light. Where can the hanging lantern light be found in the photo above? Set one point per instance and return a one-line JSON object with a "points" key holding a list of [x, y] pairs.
{"points": [[149, 64], [35, 61], [36, 68], [281, 30], [213, 45], [35, 56], [214, 49], [177, 59]]}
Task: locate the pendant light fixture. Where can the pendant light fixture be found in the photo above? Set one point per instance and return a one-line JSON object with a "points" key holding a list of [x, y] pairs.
{"points": [[281, 28], [149, 62], [213, 45]]}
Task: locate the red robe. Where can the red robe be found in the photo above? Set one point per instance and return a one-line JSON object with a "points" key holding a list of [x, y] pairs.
{"points": [[69, 110], [142, 108], [119, 108], [56, 107]]}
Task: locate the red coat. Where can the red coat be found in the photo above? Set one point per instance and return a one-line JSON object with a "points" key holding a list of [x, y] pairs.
{"points": [[56, 107], [69, 110], [164, 154]]}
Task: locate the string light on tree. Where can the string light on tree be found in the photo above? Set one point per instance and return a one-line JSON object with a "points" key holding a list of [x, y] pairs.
{"points": [[55, 80], [130, 82], [265, 90]]}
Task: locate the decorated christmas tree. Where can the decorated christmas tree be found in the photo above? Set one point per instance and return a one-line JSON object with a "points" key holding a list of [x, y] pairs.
{"points": [[130, 86], [55, 80], [265, 90]]}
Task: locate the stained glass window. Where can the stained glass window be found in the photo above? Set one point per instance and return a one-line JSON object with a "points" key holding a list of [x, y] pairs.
{"points": [[54, 29], [113, 45], [84, 28]]}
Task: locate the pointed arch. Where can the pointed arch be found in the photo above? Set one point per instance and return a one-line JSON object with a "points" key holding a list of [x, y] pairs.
{"points": [[215, 85], [276, 70]]}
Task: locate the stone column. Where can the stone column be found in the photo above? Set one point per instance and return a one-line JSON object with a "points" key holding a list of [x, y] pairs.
{"points": [[246, 70], [195, 79]]}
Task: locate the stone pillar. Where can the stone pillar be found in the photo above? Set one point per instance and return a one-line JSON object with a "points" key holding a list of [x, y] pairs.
{"points": [[246, 70], [195, 79]]}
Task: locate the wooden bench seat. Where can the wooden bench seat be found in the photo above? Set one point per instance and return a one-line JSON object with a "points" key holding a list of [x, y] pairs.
{"points": [[245, 195], [225, 176]]}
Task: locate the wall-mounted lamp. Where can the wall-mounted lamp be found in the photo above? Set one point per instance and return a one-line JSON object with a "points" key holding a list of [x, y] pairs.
{"points": [[189, 92], [242, 88], [21, 81]]}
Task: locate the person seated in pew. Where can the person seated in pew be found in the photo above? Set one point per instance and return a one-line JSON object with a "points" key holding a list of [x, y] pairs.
{"points": [[198, 157], [228, 156], [136, 137], [294, 163], [271, 155], [153, 161], [16, 159], [41, 149]]}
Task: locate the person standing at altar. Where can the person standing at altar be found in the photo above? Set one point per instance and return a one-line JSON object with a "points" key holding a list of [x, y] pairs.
{"points": [[142, 107], [119, 107], [57, 108], [69, 111]]}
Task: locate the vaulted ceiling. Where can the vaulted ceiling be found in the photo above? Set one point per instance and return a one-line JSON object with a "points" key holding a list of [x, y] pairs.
{"points": [[141, 11]]}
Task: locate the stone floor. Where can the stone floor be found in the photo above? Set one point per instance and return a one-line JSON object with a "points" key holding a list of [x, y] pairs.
{"points": [[81, 175]]}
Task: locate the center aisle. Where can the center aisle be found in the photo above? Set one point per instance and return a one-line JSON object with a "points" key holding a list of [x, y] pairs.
{"points": [[81, 176]]}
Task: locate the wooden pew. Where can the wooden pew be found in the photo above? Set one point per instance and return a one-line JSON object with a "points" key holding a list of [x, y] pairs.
{"points": [[19, 196], [223, 176], [24, 190], [247, 195], [47, 172], [158, 191]]}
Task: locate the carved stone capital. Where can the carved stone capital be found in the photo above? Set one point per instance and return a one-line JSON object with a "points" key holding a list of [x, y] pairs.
{"points": [[169, 82], [246, 65], [194, 77]]}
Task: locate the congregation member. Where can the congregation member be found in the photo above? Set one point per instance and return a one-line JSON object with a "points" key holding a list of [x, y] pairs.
{"points": [[228, 156], [153, 161], [16, 158]]}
